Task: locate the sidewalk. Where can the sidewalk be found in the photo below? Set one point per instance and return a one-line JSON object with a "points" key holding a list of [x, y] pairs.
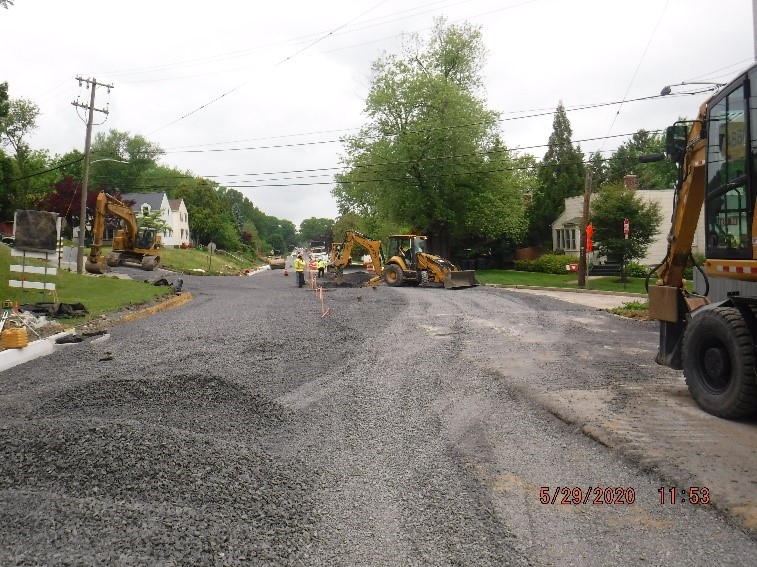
{"points": [[590, 298]]}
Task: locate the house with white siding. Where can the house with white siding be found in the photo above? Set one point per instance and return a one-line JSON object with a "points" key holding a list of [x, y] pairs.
{"points": [[566, 230], [173, 212], [179, 221]]}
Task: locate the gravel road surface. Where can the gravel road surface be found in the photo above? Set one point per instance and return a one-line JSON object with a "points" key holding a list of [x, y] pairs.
{"points": [[261, 425]]}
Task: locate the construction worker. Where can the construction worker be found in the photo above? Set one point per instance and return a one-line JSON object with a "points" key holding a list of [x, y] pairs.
{"points": [[321, 267], [299, 270]]}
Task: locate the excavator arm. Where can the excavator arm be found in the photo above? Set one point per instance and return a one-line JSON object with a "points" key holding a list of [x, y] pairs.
{"points": [[352, 237], [669, 301]]}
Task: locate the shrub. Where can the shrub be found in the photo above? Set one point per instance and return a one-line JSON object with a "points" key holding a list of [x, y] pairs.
{"points": [[553, 263], [525, 265], [547, 264], [636, 270]]}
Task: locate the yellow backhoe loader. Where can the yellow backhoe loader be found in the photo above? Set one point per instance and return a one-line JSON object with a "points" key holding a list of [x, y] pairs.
{"points": [[410, 264], [131, 244]]}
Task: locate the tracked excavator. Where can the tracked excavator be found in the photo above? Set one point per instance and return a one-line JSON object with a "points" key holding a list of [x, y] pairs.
{"points": [[409, 264], [132, 244], [712, 335]]}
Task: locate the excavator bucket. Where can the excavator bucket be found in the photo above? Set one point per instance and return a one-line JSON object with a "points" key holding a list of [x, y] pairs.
{"points": [[460, 278], [98, 266]]}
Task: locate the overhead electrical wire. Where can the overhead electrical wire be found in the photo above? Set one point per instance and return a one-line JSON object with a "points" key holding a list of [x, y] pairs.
{"points": [[288, 58]]}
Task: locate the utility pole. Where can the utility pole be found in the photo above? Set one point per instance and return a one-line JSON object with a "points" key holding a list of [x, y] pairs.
{"points": [[93, 84], [584, 223]]}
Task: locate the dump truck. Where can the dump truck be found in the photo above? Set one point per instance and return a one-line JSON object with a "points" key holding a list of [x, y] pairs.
{"points": [[132, 244]]}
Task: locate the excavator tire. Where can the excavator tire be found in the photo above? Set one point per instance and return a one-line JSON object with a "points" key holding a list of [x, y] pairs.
{"points": [[393, 275], [719, 363]]}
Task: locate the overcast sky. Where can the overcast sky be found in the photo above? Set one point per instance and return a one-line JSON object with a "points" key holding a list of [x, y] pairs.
{"points": [[256, 95]]}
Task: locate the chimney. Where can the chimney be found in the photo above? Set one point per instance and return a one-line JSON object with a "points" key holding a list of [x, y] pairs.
{"points": [[631, 182]]}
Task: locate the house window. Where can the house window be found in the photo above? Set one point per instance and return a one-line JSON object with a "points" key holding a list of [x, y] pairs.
{"points": [[566, 238]]}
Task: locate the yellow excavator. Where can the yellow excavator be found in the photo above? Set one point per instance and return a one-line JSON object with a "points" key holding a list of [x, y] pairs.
{"points": [[341, 255], [409, 264], [711, 335], [131, 244]]}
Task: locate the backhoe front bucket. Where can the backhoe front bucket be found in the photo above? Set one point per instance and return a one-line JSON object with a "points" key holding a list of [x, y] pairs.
{"points": [[98, 266], [460, 278]]}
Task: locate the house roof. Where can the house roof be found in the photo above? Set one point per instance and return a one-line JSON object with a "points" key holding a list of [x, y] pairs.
{"points": [[154, 200], [573, 221], [175, 204]]}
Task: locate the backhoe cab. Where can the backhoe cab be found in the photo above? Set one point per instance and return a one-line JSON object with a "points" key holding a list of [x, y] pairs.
{"points": [[410, 263]]}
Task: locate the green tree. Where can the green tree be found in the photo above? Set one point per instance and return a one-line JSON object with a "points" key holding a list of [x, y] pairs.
{"points": [[119, 160], [612, 205], [316, 229], [20, 121], [4, 102], [154, 219], [423, 161], [625, 161], [561, 175], [598, 166]]}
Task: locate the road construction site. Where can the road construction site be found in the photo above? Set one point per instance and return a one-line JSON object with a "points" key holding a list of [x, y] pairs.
{"points": [[264, 424]]}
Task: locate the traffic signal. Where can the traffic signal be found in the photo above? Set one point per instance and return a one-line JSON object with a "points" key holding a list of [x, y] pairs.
{"points": [[589, 234]]}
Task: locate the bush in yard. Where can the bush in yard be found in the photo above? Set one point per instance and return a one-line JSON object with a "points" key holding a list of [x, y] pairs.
{"points": [[525, 265], [636, 270], [547, 264]]}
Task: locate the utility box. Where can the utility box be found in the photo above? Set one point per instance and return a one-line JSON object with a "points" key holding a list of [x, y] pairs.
{"points": [[14, 338]]}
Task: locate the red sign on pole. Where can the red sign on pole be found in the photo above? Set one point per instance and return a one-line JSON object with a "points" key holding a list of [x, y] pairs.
{"points": [[626, 226]]}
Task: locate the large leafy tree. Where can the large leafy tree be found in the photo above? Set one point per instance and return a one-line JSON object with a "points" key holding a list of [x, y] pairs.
{"points": [[4, 102], [120, 159], [65, 199], [612, 205], [625, 161], [316, 229], [15, 127], [423, 159], [561, 175]]}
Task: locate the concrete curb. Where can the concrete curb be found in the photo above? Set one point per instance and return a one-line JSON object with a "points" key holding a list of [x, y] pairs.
{"points": [[176, 300], [42, 347]]}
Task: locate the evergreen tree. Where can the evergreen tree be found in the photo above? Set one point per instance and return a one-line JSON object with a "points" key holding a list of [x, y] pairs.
{"points": [[561, 175]]}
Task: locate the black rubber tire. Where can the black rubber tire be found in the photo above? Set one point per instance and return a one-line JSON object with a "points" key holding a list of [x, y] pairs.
{"points": [[719, 363], [393, 275]]}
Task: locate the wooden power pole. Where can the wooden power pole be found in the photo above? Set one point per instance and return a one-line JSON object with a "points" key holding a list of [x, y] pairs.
{"points": [[93, 84], [584, 222]]}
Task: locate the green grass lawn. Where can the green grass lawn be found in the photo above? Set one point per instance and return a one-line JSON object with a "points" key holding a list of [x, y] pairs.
{"points": [[98, 294], [567, 281]]}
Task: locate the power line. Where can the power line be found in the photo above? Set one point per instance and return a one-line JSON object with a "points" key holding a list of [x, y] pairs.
{"points": [[253, 78]]}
